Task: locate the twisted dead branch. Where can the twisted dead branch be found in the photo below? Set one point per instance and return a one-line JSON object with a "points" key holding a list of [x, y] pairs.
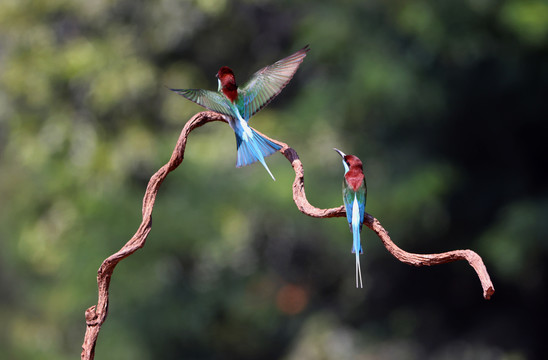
{"points": [[96, 315]]}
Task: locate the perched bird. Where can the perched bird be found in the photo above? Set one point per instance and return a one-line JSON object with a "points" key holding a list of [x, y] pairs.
{"points": [[240, 103], [354, 198]]}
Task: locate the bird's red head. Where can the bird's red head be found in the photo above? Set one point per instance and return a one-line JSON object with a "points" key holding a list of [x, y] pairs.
{"points": [[226, 75], [227, 83], [353, 161]]}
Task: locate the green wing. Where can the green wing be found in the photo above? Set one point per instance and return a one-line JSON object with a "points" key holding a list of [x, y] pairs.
{"points": [[211, 100], [266, 83], [348, 199]]}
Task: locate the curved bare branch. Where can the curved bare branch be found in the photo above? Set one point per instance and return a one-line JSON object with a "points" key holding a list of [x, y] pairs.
{"points": [[96, 315]]}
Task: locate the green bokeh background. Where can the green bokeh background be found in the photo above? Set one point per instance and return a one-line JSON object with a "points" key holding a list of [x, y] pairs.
{"points": [[444, 101]]}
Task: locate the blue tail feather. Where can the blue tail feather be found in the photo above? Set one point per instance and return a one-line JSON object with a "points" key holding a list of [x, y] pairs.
{"points": [[357, 249], [253, 149], [356, 238]]}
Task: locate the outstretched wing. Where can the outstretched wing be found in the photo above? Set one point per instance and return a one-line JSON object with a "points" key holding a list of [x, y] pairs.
{"points": [[211, 100], [266, 83]]}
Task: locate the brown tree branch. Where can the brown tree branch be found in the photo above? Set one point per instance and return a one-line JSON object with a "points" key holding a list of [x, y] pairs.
{"points": [[96, 315]]}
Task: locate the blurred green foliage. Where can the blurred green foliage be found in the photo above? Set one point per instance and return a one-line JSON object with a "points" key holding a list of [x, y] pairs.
{"points": [[445, 102]]}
